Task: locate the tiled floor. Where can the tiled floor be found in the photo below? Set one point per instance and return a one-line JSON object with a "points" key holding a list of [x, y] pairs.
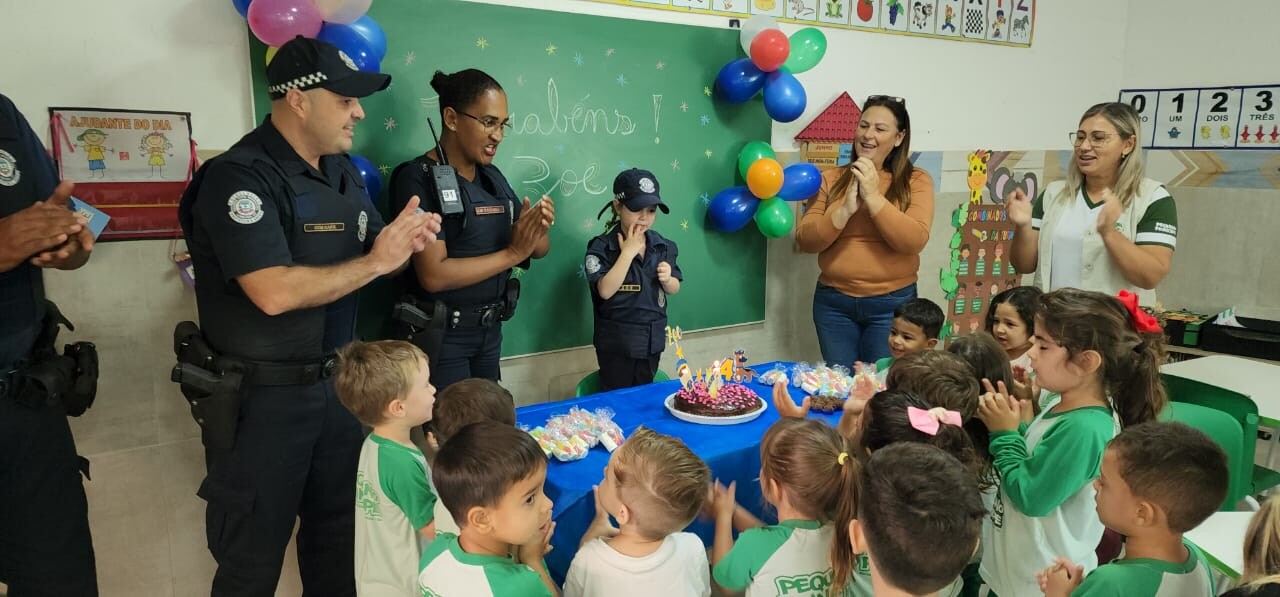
{"points": [[146, 462]]}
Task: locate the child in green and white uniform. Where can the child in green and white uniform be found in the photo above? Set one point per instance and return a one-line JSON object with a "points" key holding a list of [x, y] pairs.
{"points": [[793, 556], [1087, 348], [916, 326], [491, 476], [386, 385], [1159, 480]]}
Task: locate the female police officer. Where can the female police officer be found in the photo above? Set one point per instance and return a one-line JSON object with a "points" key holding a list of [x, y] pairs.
{"points": [[463, 281]]}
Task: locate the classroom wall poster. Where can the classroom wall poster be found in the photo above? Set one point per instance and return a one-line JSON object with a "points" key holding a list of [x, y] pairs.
{"points": [[1002, 22], [1239, 117], [131, 164]]}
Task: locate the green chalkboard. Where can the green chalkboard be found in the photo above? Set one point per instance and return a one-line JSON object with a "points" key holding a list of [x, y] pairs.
{"points": [[588, 96]]}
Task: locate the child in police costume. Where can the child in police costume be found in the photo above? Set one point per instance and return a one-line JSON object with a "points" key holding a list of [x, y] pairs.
{"points": [[630, 270]]}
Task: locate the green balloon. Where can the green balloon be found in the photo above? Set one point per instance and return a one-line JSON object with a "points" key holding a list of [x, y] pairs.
{"points": [[753, 151], [774, 218], [807, 48]]}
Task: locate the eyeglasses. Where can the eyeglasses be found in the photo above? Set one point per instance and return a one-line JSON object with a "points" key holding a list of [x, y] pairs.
{"points": [[1095, 138], [490, 123], [885, 98]]}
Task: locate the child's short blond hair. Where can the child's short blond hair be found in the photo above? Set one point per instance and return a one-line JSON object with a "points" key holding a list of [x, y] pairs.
{"points": [[372, 374], [661, 481]]}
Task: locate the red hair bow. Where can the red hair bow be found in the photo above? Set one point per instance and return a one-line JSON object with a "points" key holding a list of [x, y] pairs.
{"points": [[1145, 323]]}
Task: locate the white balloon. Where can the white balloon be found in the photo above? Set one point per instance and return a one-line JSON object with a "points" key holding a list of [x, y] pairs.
{"points": [[752, 27], [342, 11]]}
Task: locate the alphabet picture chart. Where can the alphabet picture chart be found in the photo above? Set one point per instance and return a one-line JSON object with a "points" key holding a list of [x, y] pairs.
{"points": [[1238, 117]]}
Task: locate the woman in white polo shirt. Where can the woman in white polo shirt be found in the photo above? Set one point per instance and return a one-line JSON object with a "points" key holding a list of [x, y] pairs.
{"points": [[1106, 227]]}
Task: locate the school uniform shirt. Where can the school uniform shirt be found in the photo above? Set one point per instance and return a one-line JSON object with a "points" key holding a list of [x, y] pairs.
{"points": [[1045, 507], [633, 321], [882, 370], [448, 571], [444, 518], [393, 500], [789, 558], [1071, 252], [1145, 577], [861, 585], [678, 568]]}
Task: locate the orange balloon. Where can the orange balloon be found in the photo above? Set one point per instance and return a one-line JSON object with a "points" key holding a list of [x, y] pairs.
{"points": [[764, 178], [271, 53]]}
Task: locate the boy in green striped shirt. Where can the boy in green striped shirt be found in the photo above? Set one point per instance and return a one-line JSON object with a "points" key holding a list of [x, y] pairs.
{"points": [[1159, 480]]}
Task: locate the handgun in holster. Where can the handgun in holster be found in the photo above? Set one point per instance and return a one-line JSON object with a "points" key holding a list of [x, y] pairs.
{"points": [[210, 384], [49, 379], [422, 324]]}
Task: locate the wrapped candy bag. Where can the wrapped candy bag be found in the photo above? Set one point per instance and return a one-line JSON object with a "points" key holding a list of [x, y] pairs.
{"points": [[609, 433]]}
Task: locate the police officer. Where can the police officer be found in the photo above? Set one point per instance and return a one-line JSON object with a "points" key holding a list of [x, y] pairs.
{"points": [[631, 269], [45, 547], [464, 278], [281, 235]]}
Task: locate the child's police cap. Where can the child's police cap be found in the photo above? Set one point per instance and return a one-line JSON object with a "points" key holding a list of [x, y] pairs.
{"points": [[637, 189], [303, 63]]}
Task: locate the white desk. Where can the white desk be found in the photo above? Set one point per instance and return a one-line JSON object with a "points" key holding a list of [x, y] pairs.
{"points": [[1221, 538], [1257, 380]]}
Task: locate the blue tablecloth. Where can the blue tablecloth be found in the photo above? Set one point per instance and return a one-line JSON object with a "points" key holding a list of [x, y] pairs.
{"points": [[732, 452]]}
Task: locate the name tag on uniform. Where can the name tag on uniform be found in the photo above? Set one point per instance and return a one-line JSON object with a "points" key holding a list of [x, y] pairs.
{"points": [[330, 227], [629, 288], [489, 210]]}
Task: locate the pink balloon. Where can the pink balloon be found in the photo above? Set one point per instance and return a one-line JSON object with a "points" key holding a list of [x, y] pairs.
{"points": [[769, 50], [342, 11], [278, 21]]}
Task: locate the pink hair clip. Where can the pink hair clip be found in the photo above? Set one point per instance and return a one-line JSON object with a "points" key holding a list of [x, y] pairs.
{"points": [[929, 421]]}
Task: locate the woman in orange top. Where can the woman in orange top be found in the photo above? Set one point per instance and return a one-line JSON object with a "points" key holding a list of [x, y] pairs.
{"points": [[868, 223]]}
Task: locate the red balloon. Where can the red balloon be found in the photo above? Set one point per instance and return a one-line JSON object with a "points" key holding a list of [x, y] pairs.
{"points": [[770, 49]]}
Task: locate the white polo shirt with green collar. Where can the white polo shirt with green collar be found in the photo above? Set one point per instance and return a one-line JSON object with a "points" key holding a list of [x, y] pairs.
{"points": [[448, 571], [1072, 253], [789, 559]]}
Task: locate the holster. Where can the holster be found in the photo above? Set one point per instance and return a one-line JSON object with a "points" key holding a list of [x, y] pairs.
{"points": [[422, 323], [211, 386], [510, 298], [69, 380]]}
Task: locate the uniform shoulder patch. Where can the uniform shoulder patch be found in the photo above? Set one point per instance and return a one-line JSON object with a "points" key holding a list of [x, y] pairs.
{"points": [[9, 172], [592, 264], [244, 207]]}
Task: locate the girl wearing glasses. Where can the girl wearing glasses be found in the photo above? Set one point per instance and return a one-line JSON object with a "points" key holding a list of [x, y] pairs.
{"points": [[1105, 228], [463, 280], [868, 224]]}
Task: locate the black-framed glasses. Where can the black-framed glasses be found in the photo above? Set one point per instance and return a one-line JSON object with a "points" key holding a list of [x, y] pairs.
{"points": [[1095, 138], [490, 123], [886, 98]]}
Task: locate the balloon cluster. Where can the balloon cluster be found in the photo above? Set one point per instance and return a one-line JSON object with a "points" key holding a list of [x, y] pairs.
{"points": [[769, 186], [773, 62], [341, 23]]}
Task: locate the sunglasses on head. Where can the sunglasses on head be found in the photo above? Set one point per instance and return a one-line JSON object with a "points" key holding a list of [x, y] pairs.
{"points": [[885, 98]]}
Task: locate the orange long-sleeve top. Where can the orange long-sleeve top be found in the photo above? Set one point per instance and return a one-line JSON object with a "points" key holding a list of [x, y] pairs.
{"points": [[870, 256]]}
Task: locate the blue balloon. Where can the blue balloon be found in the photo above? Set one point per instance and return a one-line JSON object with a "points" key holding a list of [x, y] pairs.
{"points": [[372, 32], [369, 172], [352, 43], [732, 208], [800, 181], [739, 80], [242, 7], [784, 97]]}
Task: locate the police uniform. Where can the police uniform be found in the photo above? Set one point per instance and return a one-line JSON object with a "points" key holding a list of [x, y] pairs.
{"points": [[295, 450], [630, 326], [45, 546], [472, 330]]}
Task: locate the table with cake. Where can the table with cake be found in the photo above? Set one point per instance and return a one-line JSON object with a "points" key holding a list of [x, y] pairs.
{"points": [[732, 451]]}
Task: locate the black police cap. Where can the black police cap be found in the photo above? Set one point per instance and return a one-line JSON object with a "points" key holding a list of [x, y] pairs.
{"points": [[637, 189], [303, 63]]}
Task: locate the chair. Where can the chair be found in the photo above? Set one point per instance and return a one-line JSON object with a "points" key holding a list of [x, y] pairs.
{"points": [[1237, 406], [591, 383], [1226, 432]]}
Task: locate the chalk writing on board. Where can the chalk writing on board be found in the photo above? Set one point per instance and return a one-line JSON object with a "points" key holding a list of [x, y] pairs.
{"points": [[581, 118], [564, 185]]}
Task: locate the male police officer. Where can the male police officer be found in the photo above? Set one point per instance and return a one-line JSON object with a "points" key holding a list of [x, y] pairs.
{"points": [[281, 235], [45, 547]]}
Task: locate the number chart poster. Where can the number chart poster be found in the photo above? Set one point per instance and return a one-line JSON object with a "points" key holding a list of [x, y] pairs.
{"points": [[131, 164], [1003, 22], [1242, 117]]}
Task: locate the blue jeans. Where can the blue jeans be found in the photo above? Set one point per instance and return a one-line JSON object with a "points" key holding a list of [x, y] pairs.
{"points": [[855, 328]]}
